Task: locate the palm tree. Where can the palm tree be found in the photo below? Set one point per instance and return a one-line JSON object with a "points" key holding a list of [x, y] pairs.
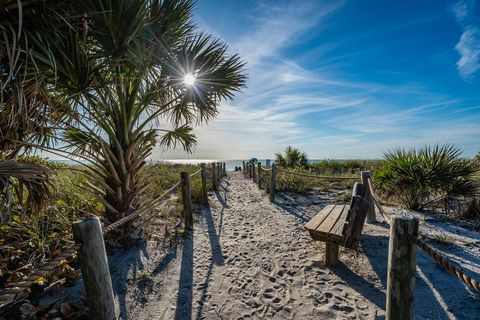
{"points": [[27, 114], [293, 158], [126, 74]]}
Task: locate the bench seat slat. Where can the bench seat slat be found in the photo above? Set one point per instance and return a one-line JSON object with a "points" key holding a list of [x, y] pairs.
{"points": [[328, 224], [319, 217], [339, 227]]}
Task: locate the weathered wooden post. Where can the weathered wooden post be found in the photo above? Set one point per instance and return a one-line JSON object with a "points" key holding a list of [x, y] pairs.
{"points": [[187, 200], [204, 182], [224, 171], [259, 178], [365, 175], [214, 176], [401, 267], [254, 174], [243, 168], [94, 266], [272, 184]]}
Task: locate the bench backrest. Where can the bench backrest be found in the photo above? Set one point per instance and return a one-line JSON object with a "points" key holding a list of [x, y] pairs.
{"points": [[356, 216]]}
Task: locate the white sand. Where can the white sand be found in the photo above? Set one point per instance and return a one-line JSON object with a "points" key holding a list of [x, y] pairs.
{"points": [[250, 259]]}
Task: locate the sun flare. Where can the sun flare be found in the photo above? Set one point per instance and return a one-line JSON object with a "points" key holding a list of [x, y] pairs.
{"points": [[189, 79]]}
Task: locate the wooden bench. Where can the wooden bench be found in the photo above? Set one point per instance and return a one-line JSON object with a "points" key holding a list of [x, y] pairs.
{"points": [[340, 225]]}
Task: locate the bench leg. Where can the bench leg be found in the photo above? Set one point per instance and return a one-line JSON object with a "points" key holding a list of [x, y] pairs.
{"points": [[331, 255]]}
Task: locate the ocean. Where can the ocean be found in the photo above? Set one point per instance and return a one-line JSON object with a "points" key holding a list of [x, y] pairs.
{"points": [[231, 164]]}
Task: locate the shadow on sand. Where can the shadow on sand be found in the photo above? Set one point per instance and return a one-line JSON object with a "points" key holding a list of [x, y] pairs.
{"points": [[121, 264], [433, 286], [185, 292]]}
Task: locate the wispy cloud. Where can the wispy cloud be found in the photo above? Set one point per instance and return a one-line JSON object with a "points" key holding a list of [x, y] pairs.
{"points": [[321, 109], [468, 45]]}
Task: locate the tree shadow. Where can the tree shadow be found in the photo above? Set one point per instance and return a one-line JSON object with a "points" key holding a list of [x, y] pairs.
{"points": [[121, 264], [217, 255], [185, 292], [183, 308]]}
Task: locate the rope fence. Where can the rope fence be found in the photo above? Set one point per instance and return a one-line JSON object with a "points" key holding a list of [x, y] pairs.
{"points": [[315, 176], [20, 289], [195, 173], [437, 256], [377, 203], [367, 179]]}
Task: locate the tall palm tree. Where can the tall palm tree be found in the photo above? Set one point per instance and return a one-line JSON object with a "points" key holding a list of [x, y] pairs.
{"points": [[128, 73]]}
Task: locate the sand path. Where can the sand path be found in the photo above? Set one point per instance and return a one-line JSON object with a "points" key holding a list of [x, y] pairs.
{"points": [[247, 259], [250, 259]]}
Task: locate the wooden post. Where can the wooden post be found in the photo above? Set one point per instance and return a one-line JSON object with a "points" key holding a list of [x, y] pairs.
{"points": [[331, 254], [368, 196], [187, 200], [243, 168], [224, 169], [249, 170], [214, 176], [254, 174], [272, 184], [94, 266], [401, 267], [204, 182], [259, 177]]}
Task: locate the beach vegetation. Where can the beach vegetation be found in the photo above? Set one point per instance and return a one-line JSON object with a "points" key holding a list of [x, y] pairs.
{"points": [[427, 177], [291, 158], [126, 76]]}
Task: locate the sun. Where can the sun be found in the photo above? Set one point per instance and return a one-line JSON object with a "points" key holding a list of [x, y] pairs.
{"points": [[189, 79]]}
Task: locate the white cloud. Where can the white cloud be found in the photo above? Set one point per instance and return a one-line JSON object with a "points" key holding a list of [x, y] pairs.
{"points": [[468, 45], [469, 49]]}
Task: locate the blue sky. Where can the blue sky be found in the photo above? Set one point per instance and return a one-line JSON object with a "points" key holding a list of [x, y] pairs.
{"points": [[345, 79]]}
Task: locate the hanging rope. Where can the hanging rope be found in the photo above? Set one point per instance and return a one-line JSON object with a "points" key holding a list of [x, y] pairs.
{"points": [[377, 203], [316, 176], [21, 288], [437, 256], [446, 264], [195, 173]]}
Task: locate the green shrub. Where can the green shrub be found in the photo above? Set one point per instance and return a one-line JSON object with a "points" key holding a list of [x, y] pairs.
{"points": [[343, 167], [429, 175], [292, 158]]}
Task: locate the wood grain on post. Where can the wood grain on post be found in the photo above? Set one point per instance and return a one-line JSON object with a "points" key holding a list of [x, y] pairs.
{"points": [[331, 255], [94, 266], [368, 196], [204, 182], [214, 176], [259, 178], [401, 267], [272, 184], [187, 200]]}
